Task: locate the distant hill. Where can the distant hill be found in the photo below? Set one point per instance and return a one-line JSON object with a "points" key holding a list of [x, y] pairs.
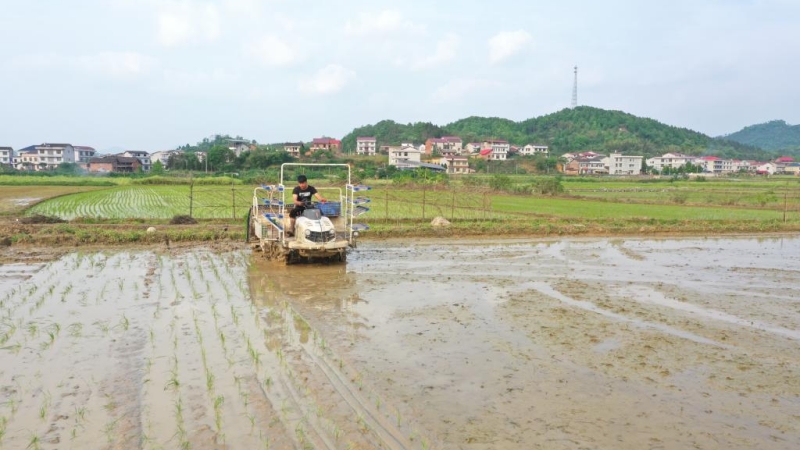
{"points": [[579, 129], [774, 135]]}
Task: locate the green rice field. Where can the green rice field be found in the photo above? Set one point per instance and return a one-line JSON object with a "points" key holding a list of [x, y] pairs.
{"points": [[697, 201]]}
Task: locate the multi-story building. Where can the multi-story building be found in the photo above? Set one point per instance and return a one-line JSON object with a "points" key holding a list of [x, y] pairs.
{"points": [[404, 157], [444, 143], [590, 165], [670, 160], [6, 156], [83, 153], [142, 156], [162, 157], [326, 143], [238, 146], [619, 164], [293, 148], [51, 156], [716, 165], [27, 159], [366, 146], [499, 148], [114, 164], [533, 149], [455, 164], [473, 148]]}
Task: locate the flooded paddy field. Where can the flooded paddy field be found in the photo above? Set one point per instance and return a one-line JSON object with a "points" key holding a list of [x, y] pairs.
{"points": [[440, 344]]}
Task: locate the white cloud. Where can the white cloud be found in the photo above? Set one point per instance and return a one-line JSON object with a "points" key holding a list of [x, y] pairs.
{"points": [[446, 50], [328, 80], [187, 22], [384, 22], [115, 65], [463, 87], [272, 51], [507, 44]]}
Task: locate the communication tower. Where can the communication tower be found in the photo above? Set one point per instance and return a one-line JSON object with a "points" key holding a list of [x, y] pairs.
{"points": [[575, 89]]}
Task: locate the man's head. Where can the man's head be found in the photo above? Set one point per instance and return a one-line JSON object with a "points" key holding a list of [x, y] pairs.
{"points": [[301, 180]]}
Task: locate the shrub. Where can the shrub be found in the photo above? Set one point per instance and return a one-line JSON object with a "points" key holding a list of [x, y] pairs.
{"points": [[183, 220]]}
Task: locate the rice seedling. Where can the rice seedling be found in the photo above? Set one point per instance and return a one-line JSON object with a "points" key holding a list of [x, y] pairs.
{"points": [[75, 329], [33, 329], [4, 423], [218, 401], [209, 381], [102, 325], [34, 442], [124, 323], [80, 414]]}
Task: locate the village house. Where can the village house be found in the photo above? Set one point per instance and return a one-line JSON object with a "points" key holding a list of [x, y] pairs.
{"points": [[163, 157], [570, 156], [27, 159], [114, 164], [293, 148], [6, 156], [588, 165], [715, 165], [444, 143], [499, 149], [619, 164], [670, 160], [455, 164], [142, 156], [766, 168], [238, 146], [405, 157], [792, 169], [532, 149], [83, 154], [326, 144], [366, 146], [51, 155], [473, 148]]}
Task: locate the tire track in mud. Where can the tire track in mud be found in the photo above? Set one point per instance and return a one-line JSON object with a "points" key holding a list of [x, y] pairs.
{"points": [[336, 387]]}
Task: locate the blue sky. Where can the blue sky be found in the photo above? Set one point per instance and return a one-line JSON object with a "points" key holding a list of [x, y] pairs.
{"points": [[154, 74]]}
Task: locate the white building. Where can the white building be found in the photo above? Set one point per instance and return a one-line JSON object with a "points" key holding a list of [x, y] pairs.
{"points": [[142, 156], [163, 157], [238, 146], [499, 149], [532, 149], [366, 146], [6, 156], [293, 148], [670, 160], [619, 164], [50, 156], [713, 164], [768, 168], [83, 154], [455, 164], [404, 156]]}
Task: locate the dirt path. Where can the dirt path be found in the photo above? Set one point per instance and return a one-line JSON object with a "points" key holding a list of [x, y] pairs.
{"points": [[562, 344]]}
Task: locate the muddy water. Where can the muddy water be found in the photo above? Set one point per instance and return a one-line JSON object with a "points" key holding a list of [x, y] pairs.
{"points": [[566, 344], [563, 344]]}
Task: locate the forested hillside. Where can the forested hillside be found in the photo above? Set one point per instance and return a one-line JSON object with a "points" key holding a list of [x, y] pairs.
{"points": [[774, 135], [580, 129]]}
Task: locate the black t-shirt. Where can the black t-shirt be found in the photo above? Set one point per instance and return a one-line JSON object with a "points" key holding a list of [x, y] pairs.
{"points": [[304, 195]]}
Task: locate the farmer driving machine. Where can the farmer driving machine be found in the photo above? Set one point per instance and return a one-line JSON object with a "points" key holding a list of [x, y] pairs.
{"points": [[323, 231]]}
